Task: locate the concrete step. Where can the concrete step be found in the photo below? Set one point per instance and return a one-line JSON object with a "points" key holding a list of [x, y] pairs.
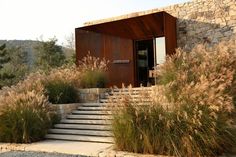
{"points": [[73, 121], [83, 126], [80, 138], [131, 90], [82, 108], [104, 100], [115, 100], [81, 132], [87, 117], [91, 112], [118, 96], [92, 104]]}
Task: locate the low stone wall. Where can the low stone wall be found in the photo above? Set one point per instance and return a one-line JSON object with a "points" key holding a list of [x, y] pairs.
{"points": [[64, 109], [91, 95]]}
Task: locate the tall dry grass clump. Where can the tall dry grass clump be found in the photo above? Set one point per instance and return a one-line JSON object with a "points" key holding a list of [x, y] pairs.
{"points": [[93, 71], [25, 114], [192, 107], [68, 74], [61, 84]]}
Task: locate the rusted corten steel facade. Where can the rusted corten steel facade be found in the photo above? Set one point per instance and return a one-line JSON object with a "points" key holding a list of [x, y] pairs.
{"points": [[115, 41]]}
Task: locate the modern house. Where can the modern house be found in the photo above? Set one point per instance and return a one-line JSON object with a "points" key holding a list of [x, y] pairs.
{"points": [[132, 45]]}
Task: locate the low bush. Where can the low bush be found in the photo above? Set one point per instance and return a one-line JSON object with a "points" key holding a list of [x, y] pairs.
{"points": [[60, 92], [192, 107], [70, 74], [93, 79]]}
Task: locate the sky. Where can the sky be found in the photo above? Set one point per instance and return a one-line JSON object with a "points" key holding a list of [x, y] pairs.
{"points": [[45, 19]]}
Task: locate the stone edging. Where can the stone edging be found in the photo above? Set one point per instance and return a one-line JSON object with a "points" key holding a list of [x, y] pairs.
{"points": [[110, 152]]}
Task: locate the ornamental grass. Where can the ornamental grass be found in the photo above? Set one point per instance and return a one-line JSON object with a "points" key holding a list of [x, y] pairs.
{"points": [[25, 110], [191, 109]]}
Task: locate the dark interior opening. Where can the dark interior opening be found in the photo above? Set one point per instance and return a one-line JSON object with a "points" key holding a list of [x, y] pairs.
{"points": [[145, 61]]}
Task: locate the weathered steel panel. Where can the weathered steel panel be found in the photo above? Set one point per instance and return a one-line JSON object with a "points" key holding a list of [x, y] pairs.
{"points": [[170, 33], [135, 28], [113, 49]]}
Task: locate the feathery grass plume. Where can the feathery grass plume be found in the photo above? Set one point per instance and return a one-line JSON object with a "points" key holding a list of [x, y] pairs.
{"points": [[93, 71], [25, 114], [191, 108]]}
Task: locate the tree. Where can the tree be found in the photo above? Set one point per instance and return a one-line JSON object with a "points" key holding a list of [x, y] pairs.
{"points": [[70, 48], [3, 56], [49, 54], [4, 59], [18, 65]]}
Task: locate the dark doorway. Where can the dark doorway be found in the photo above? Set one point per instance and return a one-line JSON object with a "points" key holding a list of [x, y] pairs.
{"points": [[145, 60]]}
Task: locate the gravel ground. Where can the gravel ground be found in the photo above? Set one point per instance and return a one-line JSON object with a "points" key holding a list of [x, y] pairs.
{"points": [[35, 154]]}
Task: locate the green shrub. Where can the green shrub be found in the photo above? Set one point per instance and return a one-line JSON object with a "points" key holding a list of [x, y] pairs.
{"points": [[93, 79], [192, 107], [60, 92]]}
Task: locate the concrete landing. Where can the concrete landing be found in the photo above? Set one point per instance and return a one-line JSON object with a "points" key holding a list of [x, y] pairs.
{"points": [[65, 147]]}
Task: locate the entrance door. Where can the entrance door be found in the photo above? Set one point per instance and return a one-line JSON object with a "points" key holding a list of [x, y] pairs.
{"points": [[145, 61]]}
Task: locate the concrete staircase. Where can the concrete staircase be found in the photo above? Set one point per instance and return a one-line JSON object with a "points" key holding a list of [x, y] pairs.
{"points": [[91, 122]]}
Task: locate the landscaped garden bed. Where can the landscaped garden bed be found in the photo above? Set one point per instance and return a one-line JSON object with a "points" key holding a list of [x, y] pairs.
{"points": [[29, 108], [192, 107]]}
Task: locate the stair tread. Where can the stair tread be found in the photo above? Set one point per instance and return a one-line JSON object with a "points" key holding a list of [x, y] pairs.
{"points": [[83, 126], [101, 117], [93, 108], [80, 138], [91, 112], [74, 121], [81, 132], [92, 104]]}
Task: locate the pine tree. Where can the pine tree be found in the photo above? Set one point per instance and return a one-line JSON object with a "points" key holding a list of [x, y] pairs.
{"points": [[3, 56], [50, 55], [4, 59]]}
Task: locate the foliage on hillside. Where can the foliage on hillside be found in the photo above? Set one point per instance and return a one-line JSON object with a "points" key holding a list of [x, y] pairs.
{"points": [[49, 55], [23, 55]]}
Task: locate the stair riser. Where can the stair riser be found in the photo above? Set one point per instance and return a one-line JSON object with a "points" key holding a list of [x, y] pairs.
{"points": [[80, 138], [81, 132]]}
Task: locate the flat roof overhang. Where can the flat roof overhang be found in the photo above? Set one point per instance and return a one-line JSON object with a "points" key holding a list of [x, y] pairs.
{"points": [[136, 28]]}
